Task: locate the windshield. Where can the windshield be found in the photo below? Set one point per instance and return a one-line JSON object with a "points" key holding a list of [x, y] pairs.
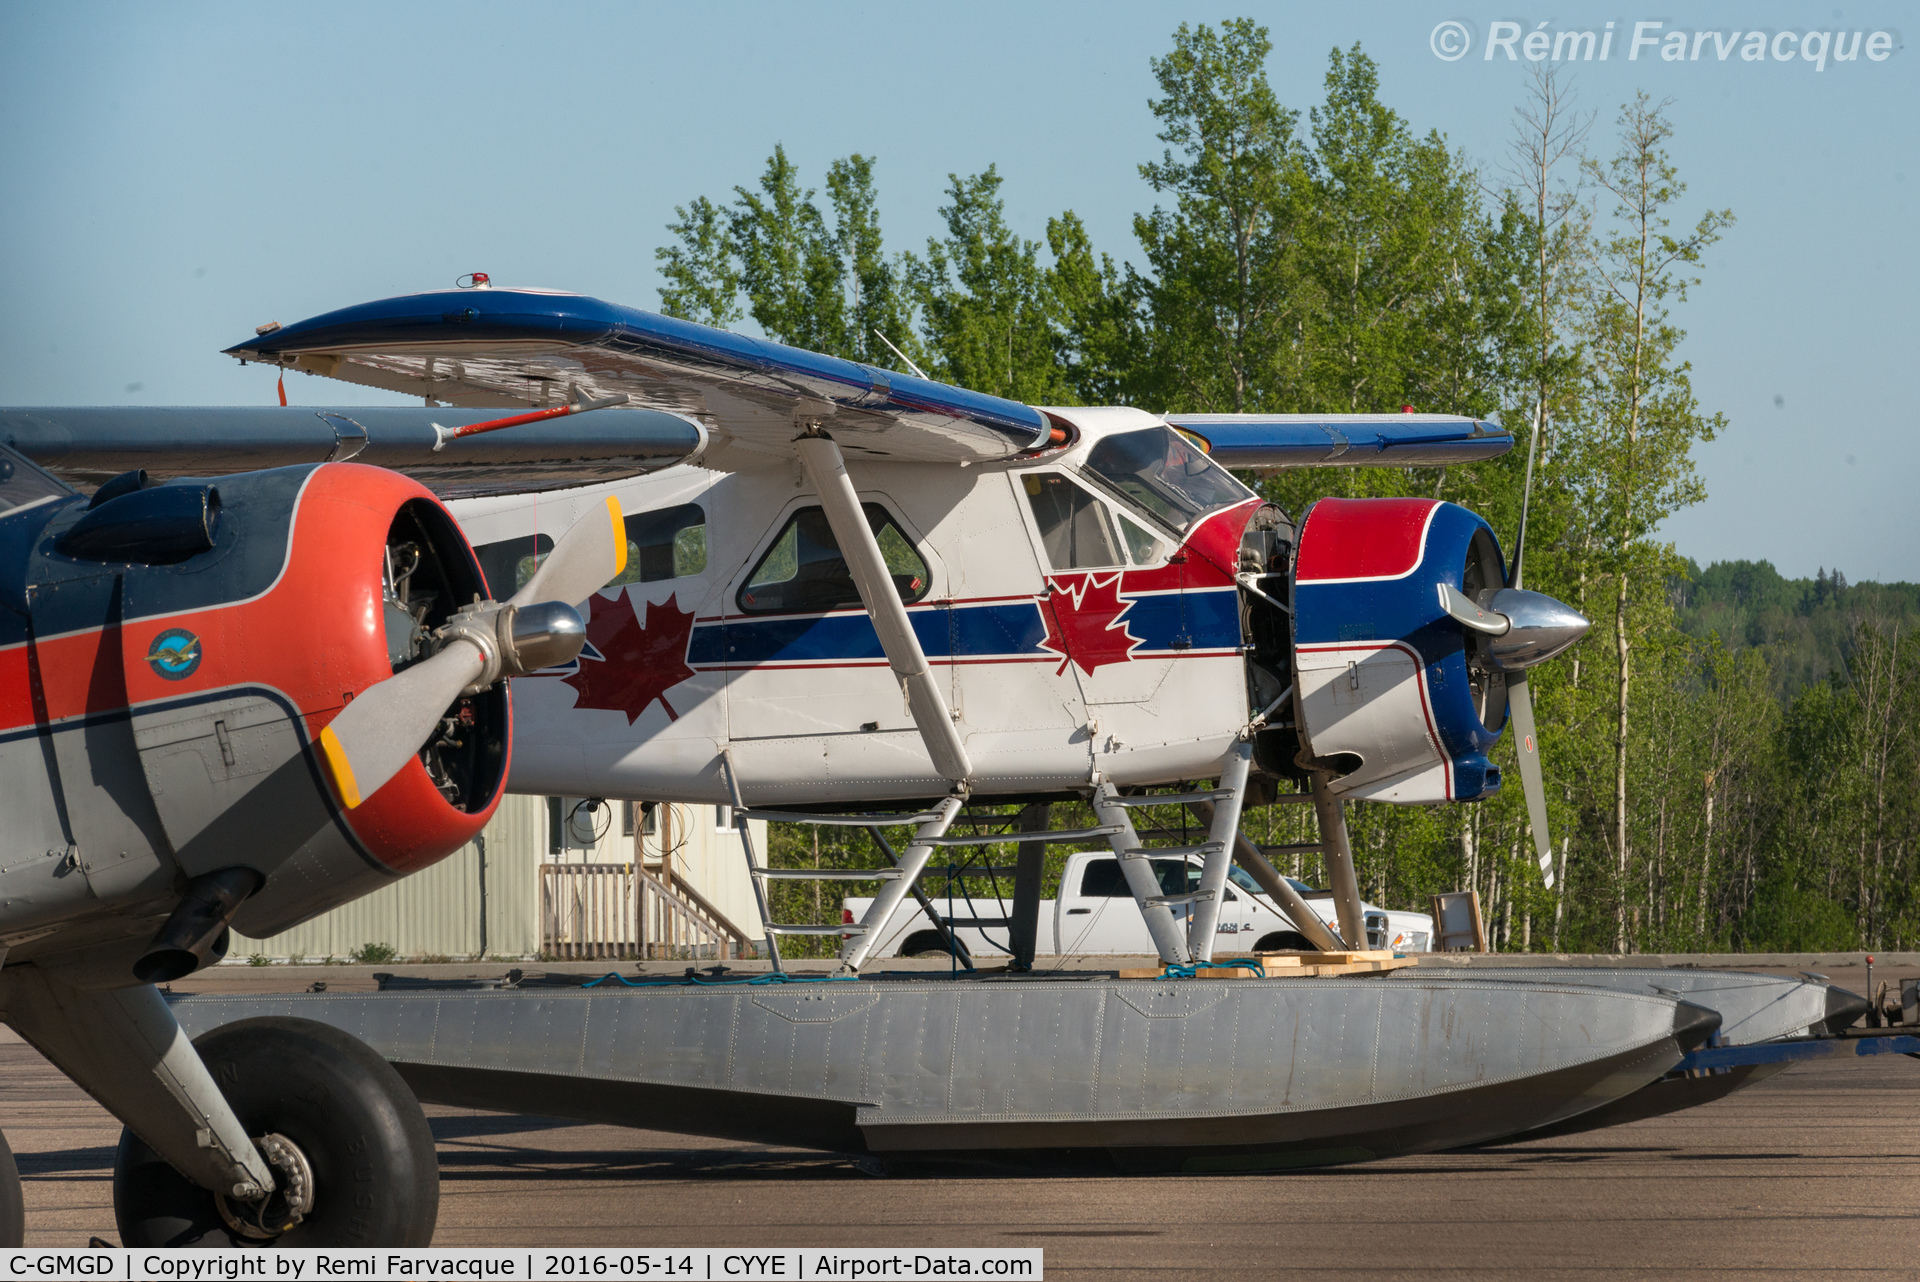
{"points": [[1164, 473], [23, 485], [1244, 879]]}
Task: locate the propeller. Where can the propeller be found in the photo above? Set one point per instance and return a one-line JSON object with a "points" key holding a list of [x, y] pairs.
{"points": [[1519, 700], [1517, 629], [387, 725]]}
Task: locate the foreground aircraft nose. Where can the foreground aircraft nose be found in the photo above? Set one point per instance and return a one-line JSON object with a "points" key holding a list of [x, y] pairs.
{"points": [[1541, 628], [1843, 1009], [1694, 1026]]}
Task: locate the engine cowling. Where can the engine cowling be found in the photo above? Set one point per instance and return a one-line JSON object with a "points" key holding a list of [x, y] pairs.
{"points": [[1389, 697], [229, 662]]}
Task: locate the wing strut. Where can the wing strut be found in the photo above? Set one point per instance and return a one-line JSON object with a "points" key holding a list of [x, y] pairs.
{"points": [[828, 472]]}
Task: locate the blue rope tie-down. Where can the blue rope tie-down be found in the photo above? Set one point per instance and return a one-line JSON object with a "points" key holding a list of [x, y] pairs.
{"points": [[1192, 970], [695, 981]]}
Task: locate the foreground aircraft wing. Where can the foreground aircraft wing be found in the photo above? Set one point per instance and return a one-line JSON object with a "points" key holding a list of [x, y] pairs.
{"points": [[89, 444], [1344, 440], [514, 347]]}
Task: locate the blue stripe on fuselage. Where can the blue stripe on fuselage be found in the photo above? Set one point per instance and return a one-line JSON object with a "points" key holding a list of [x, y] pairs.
{"points": [[1010, 629]]}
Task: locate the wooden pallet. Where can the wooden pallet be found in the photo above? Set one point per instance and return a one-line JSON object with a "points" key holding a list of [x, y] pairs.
{"points": [[1295, 965]]}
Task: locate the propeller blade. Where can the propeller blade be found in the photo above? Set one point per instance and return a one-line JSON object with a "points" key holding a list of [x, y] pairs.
{"points": [[1468, 614], [586, 559], [382, 729], [1520, 711]]}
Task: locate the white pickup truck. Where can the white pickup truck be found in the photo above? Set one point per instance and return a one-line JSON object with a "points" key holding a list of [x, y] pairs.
{"points": [[1095, 915]]}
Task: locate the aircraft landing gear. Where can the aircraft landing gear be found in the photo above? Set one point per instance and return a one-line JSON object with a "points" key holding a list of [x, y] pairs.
{"points": [[13, 1206], [352, 1158]]}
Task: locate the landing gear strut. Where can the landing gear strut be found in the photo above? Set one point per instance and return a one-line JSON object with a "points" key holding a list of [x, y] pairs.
{"points": [[352, 1158], [13, 1208]]}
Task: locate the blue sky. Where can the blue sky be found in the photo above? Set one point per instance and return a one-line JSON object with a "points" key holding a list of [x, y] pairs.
{"points": [[177, 174]]}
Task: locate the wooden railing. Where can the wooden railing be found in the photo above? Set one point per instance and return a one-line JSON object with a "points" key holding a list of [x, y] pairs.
{"points": [[623, 911]]}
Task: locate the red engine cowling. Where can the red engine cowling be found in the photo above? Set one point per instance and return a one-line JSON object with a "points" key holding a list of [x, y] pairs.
{"points": [[330, 577]]}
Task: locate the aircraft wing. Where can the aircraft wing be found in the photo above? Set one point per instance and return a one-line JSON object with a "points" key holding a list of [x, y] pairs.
{"points": [[1344, 440], [536, 348], [89, 444]]}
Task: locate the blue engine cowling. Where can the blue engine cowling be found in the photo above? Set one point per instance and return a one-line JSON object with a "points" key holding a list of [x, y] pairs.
{"points": [[1386, 696]]}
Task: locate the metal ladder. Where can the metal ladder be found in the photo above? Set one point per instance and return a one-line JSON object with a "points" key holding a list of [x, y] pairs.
{"points": [[1177, 948], [898, 882]]}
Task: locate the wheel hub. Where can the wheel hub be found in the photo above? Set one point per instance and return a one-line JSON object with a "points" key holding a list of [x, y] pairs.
{"points": [[288, 1204]]}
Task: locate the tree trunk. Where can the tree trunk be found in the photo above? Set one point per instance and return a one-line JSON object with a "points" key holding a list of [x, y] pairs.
{"points": [[1706, 868], [1624, 649]]}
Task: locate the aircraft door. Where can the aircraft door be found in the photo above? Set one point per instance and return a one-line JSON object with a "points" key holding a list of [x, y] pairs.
{"points": [[1087, 550]]}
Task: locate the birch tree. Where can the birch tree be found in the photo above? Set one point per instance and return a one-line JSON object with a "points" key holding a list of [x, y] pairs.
{"points": [[1641, 419]]}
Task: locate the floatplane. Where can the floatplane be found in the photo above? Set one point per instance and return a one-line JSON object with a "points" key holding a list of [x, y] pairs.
{"points": [[264, 668]]}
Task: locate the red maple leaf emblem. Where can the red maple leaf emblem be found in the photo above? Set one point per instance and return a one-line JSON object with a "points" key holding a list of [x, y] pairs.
{"points": [[643, 660], [1085, 623]]}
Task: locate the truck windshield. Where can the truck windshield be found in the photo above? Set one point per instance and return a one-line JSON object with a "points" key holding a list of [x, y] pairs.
{"points": [[1164, 473], [1244, 879]]}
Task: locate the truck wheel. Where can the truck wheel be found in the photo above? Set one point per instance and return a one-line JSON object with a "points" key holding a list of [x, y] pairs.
{"points": [[352, 1156], [924, 943], [13, 1203], [1284, 941]]}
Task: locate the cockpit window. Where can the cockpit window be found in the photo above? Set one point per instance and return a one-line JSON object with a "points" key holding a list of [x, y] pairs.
{"points": [[1145, 548], [1161, 471], [1072, 523], [24, 485]]}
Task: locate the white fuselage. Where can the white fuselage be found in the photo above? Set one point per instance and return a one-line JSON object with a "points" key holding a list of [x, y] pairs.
{"points": [[1127, 668]]}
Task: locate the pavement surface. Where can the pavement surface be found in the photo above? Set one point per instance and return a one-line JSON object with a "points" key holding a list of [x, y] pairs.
{"points": [[1813, 1173]]}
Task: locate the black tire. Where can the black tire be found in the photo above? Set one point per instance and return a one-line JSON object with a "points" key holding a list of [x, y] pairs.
{"points": [[13, 1203], [924, 943], [1284, 941], [376, 1176]]}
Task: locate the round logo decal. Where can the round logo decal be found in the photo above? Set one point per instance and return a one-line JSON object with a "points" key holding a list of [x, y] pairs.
{"points": [[174, 654]]}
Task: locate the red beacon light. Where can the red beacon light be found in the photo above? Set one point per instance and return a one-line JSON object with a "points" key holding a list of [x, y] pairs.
{"points": [[475, 280], [1406, 409]]}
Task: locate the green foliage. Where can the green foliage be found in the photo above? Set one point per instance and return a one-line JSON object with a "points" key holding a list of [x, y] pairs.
{"points": [[702, 279], [986, 303], [810, 279], [1220, 308], [372, 954], [1803, 626], [1785, 918]]}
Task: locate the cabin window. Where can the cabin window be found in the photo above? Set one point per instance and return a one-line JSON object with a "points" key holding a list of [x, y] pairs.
{"points": [[668, 544], [804, 573], [1165, 474], [509, 563], [1073, 524]]}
